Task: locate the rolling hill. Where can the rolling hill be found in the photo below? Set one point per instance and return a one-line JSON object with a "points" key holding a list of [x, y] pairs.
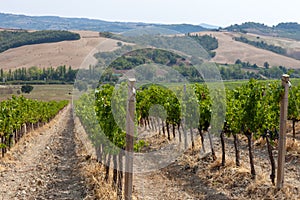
{"points": [[291, 46], [70, 53], [13, 39], [79, 53], [230, 50], [287, 30]]}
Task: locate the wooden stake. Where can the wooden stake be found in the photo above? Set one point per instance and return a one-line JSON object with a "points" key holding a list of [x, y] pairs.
{"points": [[130, 118], [282, 134], [184, 122]]}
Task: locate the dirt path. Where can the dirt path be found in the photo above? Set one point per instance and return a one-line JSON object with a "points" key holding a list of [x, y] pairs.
{"points": [[178, 180], [45, 164]]}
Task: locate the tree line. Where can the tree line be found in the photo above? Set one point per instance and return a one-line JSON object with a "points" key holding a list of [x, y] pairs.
{"points": [[50, 74], [262, 45], [208, 42], [246, 70], [94, 75], [13, 39]]}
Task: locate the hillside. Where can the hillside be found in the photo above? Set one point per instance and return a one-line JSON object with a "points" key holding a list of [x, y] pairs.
{"points": [[230, 50], [69, 53], [75, 53], [291, 46], [60, 23], [13, 39], [288, 30]]}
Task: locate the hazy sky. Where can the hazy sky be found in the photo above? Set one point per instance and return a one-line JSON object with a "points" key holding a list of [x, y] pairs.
{"points": [[215, 12]]}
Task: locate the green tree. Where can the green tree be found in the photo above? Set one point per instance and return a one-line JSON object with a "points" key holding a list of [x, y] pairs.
{"points": [[119, 44], [266, 65], [26, 88]]}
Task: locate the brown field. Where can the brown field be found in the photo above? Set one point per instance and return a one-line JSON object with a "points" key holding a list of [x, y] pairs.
{"points": [[77, 54], [283, 42], [292, 46], [229, 51], [43, 92]]}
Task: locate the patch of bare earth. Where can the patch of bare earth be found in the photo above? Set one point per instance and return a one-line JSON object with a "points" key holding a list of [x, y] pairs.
{"points": [[179, 180], [48, 163]]}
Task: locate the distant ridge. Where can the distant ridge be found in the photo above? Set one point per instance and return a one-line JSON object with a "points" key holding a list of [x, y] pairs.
{"points": [[288, 30], [13, 21]]}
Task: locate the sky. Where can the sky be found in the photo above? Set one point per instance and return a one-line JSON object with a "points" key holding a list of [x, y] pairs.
{"points": [[215, 12]]}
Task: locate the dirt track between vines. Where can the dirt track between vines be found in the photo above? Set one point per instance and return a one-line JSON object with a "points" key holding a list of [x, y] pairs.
{"points": [[45, 164], [192, 176]]}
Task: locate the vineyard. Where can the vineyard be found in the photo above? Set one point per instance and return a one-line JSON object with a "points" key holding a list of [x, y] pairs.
{"points": [[148, 111], [197, 142], [200, 121], [20, 115]]}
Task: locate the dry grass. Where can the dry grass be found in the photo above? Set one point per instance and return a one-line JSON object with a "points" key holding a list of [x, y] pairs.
{"points": [[95, 177], [78, 54], [230, 50], [235, 181], [45, 92], [289, 44], [293, 146], [2, 168]]}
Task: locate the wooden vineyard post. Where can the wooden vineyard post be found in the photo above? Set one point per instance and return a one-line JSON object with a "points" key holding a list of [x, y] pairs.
{"points": [[184, 121], [282, 133], [130, 116]]}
